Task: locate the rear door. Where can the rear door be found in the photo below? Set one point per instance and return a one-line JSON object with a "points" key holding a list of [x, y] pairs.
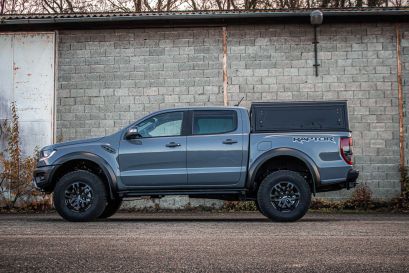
{"points": [[215, 148], [158, 156]]}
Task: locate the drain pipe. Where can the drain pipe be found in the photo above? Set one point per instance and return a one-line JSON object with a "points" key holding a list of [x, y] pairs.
{"points": [[316, 18], [225, 78], [400, 104]]}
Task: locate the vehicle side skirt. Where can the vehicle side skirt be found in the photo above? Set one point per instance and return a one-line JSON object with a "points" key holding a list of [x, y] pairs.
{"points": [[227, 194]]}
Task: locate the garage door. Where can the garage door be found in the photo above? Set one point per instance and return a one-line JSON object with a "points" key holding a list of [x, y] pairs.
{"points": [[27, 77]]}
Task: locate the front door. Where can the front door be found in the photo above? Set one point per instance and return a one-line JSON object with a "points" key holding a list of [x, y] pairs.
{"points": [[215, 148], [157, 156]]}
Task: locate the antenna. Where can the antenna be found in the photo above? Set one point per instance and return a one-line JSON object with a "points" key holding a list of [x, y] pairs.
{"points": [[239, 101]]}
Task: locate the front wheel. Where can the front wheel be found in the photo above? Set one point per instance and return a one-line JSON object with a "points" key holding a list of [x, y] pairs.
{"points": [[284, 196], [80, 196]]}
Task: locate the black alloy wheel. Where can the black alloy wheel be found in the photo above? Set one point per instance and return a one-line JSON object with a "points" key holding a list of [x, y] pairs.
{"points": [[284, 196], [80, 196]]}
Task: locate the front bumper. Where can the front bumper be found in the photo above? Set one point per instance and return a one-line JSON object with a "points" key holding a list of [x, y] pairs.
{"points": [[42, 177]]}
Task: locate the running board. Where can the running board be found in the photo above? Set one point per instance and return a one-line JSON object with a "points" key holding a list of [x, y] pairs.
{"points": [[240, 192]]}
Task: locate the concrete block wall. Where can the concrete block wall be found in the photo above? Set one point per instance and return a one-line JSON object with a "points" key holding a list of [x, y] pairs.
{"points": [[172, 202], [357, 63], [109, 78]]}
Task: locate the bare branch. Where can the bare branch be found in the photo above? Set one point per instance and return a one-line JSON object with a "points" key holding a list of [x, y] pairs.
{"points": [[70, 6], [194, 6], [3, 3], [146, 3], [137, 5], [119, 6]]}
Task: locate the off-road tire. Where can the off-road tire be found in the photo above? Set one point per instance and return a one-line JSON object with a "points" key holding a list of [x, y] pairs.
{"points": [[97, 203], [258, 207], [112, 206], [272, 211]]}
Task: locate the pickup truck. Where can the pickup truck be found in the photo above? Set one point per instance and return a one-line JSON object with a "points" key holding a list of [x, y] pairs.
{"points": [[277, 154]]}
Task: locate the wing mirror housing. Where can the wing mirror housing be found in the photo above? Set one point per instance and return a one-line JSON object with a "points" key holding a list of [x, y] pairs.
{"points": [[132, 133]]}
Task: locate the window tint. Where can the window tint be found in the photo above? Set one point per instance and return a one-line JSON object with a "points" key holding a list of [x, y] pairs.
{"points": [[167, 124], [214, 122]]}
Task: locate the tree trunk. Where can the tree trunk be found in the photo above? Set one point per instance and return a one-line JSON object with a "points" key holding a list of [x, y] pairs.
{"points": [[194, 6], [3, 3]]}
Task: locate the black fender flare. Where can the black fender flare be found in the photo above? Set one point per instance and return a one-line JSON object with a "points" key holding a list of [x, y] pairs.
{"points": [[102, 163], [255, 166]]}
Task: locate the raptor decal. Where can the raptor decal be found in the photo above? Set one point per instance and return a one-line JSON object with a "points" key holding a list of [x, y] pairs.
{"points": [[302, 140]]}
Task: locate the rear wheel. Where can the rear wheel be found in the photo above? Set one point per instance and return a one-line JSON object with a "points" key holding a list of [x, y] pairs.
{"points": [[112, 206], [258, 207], [284, 196], [80, 196]]}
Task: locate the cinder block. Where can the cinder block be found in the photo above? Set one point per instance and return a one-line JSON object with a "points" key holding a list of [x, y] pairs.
{"points": [[142, 70]]}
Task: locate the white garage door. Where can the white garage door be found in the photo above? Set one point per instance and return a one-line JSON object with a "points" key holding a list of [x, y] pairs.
{"points": [[27, 77]]}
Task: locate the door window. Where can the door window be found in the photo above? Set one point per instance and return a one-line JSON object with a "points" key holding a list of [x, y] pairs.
{"points": [[214, 122], [162, 125]]}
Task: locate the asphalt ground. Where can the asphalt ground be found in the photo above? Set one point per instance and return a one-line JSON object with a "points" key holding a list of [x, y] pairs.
{"points": [[205, 242]]}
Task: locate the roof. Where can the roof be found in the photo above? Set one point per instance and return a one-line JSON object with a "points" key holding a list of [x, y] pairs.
{"points": [[213, 107], [177, 18]]}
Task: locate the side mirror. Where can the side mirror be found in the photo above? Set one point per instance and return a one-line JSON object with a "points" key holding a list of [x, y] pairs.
{"points": [[132, 133]]}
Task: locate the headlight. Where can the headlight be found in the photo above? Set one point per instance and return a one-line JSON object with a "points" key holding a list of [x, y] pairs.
{"points": [[44, 154]]}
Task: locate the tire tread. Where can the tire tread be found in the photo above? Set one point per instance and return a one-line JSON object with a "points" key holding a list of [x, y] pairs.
{"points": [[267, 209], [99, 191]]}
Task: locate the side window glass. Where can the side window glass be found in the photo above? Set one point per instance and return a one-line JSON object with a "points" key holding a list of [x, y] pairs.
{"points": [[214, 122], [162, 125]]}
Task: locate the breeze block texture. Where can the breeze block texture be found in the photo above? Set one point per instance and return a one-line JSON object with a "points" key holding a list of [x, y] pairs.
{"points": [[110, 78]]}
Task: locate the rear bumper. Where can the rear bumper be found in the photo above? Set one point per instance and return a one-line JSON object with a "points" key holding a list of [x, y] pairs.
{"points": [[352, 176], [348, 183], [42, 178]]}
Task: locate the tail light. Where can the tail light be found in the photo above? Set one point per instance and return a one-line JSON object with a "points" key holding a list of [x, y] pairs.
{"points": [[346, 149]]}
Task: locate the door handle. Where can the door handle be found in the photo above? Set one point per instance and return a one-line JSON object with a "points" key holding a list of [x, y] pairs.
{"points": [[172, 145], [229, 141]]}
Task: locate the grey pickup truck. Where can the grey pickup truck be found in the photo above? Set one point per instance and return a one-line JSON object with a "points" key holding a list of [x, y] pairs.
{"points": [[277, 154]]}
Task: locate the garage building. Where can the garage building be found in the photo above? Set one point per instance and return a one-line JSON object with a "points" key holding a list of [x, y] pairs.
{"points": [[77, 76]]}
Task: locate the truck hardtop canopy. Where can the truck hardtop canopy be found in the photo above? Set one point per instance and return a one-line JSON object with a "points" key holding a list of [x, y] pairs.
{"points": [[300, 116]]}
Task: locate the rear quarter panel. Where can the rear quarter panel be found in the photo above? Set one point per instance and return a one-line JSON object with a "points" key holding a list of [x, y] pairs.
{"points": [[323, 148]]}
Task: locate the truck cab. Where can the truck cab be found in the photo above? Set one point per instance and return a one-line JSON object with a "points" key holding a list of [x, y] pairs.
{"points": [[186, 148]]}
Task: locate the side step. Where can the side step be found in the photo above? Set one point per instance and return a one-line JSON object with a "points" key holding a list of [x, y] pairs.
{"points": [[215, 193]]}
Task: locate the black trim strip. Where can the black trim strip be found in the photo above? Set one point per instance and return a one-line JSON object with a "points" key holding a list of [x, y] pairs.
{"points": [[106, 168], [187, 121], [255, 166], [180, 192]]}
